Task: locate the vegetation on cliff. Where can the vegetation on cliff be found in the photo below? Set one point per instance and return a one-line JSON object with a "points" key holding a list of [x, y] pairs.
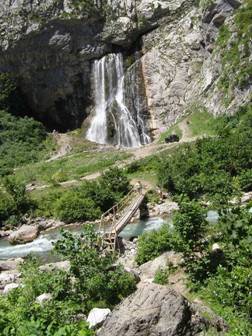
{"points": [[22, 139]]}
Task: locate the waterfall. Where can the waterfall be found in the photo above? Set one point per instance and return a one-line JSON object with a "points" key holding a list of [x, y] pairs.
{"points": [[113, 122]]}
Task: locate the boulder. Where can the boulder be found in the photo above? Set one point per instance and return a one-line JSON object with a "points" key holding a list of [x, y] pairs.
{"points": [[25, 234], [152, 310], [10, 287], [45, 297], [10, 264], [172, 138], [97, 316]]}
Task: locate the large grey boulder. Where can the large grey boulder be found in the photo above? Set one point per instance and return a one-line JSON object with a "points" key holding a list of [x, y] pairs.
{"points": [[152, 310], [25, 234]]}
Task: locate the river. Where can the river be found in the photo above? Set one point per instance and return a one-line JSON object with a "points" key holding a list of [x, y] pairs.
{"points": [[43, 245]]}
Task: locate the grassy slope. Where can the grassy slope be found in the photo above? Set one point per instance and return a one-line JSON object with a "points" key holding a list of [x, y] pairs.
{"points": [[70, 167], [199, 123]]}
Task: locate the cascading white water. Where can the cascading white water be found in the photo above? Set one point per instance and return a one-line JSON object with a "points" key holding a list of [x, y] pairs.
{"points": [[110, 103], [98, 129]]}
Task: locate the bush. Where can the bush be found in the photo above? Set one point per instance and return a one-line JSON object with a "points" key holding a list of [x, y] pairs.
{"points": [[7, 206], [233, 289], [97, 279], [152, 244], [209, 166], [190, 223], [22, 140], [72, 208], [14, 201]]}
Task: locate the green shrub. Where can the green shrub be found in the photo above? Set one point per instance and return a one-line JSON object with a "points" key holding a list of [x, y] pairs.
{"points": [[152, 244], [97, 280], [233, 289], [14, 201], [72, 208], [190, 222], [7, 206], [209, 166], [22, 140]]}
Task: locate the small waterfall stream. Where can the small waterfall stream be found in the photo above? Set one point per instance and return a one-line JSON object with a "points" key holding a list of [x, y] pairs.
{"points": [[113, 122]]}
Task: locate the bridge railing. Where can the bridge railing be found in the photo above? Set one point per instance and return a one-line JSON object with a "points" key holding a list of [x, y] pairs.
{"points": [[111, 216]]}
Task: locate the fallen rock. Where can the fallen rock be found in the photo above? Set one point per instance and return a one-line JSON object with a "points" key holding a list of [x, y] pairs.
{"points": [[246, 197], [8, 277], [45, 297], [97, 316], [10, 287], [153, 310], [10, 264], [25, 234], [166, 208]]}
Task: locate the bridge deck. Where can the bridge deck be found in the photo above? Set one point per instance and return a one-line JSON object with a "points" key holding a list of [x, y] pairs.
{"points": [[128, 214]]}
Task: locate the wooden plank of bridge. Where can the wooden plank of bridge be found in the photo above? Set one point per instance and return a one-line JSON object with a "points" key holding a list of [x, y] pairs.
{"points": [[128, 214], [110, 237]]}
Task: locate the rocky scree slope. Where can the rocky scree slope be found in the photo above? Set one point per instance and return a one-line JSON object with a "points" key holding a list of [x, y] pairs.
{"points": [[169, 46]]}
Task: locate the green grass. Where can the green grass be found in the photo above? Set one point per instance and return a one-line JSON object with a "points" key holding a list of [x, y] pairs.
{"points": [[201, 122], [70, 167]]}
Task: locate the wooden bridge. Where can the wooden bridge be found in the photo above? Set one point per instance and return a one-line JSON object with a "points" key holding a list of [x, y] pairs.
{"points": [[118, 217]]}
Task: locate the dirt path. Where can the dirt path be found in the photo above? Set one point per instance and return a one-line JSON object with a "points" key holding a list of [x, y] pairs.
{"points": [[137, 154]]}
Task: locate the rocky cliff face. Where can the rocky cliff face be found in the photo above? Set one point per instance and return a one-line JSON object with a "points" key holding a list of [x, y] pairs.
{"points": [[50, 46]]}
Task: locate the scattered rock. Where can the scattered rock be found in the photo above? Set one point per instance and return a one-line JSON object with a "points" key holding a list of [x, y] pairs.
{"points": [[25, 234], [43, 298], [10, 287], [216, 247], [153, 310], [10, 264], [246, 197], [97, 316], [60, 265], [166, 208], [8, 277]]}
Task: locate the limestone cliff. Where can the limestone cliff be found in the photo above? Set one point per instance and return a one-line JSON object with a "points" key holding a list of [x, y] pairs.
{"points": [[50, 45]]}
